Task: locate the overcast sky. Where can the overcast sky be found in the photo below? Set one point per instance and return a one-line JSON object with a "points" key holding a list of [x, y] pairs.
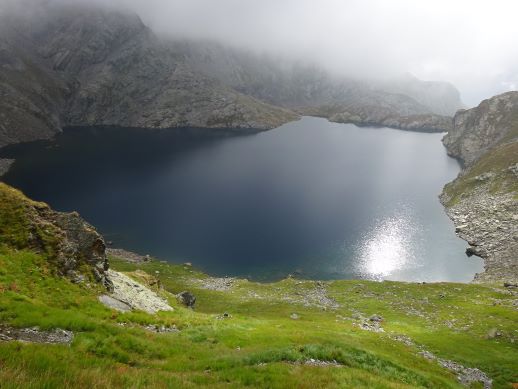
{"points": [[471, 43]]}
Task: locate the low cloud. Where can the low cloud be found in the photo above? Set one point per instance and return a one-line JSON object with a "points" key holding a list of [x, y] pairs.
{"points": [[469, 43]]}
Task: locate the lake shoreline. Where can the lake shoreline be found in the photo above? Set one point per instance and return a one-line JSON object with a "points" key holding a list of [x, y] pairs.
{"points": [[285, 269]]}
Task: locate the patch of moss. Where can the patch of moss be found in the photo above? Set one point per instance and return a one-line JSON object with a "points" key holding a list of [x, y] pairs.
{"points": [[21, 225]]}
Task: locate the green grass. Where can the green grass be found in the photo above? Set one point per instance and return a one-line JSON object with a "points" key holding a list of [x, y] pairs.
{"points": [[497, 162], [259, 345], [19, 226]]}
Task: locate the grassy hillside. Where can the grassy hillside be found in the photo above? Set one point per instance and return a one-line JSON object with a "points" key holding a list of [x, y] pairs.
{"points": [[292, 333], [498, 150], [493, 169], [260, 342]]}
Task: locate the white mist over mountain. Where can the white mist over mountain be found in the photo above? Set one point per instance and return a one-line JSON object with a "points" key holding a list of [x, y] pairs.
{"points": [[468, 43]]}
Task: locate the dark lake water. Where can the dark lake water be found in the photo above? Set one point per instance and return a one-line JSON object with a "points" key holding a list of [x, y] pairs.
{"points": [[311, 198]]}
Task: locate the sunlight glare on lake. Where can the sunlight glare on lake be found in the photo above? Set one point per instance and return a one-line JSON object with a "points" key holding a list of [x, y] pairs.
{"points": [[333, 201], [387, 249]]}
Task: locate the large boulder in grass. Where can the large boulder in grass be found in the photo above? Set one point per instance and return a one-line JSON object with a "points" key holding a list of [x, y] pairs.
{"points": [[187, 299]]}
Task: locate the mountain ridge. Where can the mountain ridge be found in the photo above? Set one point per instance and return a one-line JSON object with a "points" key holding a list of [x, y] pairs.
{"points": [[80, 66]]}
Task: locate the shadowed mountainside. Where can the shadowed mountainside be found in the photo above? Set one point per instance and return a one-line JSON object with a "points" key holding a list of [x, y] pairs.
{"points": [[78, 66]]}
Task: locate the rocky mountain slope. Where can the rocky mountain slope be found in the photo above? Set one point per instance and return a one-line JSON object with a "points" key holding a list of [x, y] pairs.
{"points": [[405, 103], [82, 66], [75, 65], [483, 200]]}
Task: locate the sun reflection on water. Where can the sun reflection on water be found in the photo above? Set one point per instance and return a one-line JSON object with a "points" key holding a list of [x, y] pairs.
{"points": [[388, 248]]}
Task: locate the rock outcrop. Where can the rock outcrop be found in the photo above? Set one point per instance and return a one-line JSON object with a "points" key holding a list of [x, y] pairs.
{"points": [[476, 131], [186, 298], [483, 200], [35, 335], [72, 246], [129, 294]]}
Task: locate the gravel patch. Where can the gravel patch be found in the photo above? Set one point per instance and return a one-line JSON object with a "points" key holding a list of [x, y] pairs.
{"points": [[218, 284], [128, 256], [35, 335], [465, 375]]}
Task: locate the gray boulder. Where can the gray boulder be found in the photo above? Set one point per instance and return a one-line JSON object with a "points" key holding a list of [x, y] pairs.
{"points": [[187, 299]]}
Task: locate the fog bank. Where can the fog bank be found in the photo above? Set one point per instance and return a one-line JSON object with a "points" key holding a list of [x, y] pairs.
{"points": [[468, 43]]}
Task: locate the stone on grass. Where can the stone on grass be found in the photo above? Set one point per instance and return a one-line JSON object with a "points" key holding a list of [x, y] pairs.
{"points": [[187, 298]]}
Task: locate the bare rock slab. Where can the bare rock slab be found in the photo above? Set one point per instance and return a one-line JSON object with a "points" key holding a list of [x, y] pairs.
{"points": [[129, 294], [113, 303]]}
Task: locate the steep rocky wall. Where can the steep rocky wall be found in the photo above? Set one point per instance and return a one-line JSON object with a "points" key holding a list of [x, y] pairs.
{"points": [[477, 130], [31, 96]]}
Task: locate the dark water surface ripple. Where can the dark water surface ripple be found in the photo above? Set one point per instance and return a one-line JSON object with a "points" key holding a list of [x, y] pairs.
{"points": [[318, 199]]}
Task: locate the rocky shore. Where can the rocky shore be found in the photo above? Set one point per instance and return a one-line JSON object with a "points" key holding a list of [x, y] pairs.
{"points": [[489, 223], [483, 200], [419, 123]]}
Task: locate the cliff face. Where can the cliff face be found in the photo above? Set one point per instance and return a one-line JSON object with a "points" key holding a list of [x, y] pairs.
{"points": [[31, 95], [77, 65], [483, 200], [127, 76], [74, 248], [475, 131]]}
